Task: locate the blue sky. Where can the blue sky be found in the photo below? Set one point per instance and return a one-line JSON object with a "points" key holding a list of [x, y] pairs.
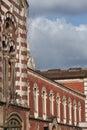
{"points": [[57, 33]]}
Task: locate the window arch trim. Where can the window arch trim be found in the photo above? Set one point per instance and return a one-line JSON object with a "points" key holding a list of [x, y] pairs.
{"points": [[44, 102], [51, 97], [15, 121], [36, 94]]}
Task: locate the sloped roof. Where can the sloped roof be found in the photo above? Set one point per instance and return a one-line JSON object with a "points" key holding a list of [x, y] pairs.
{"points": [[72, 73], [36, 73]]}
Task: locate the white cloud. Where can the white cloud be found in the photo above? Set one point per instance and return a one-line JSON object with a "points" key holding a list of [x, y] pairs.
{"points": [[57, 44]]}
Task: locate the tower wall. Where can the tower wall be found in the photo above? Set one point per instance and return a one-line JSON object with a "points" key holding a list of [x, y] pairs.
{"points": [[18, 9], [1, 66]]}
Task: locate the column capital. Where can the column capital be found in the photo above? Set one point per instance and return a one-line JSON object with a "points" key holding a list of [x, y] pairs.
{"points": [[5, 55], [13, 60]]}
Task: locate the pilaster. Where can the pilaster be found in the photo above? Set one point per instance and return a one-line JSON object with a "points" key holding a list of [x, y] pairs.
{"points": [[85, 92], [1, 63], [5, 74]]}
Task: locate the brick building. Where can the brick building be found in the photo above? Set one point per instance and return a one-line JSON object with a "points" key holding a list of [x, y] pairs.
{"points": [[54, 104], [29, 99], [74, 78]]}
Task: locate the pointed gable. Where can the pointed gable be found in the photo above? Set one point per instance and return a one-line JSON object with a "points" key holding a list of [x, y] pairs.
{"points": [[23, 3]]}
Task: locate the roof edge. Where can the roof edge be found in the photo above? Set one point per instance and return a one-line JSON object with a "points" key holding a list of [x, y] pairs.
{"points": [[56, 83]]}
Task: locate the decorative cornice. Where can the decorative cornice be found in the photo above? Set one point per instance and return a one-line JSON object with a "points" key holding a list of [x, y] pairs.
{"points": [[15, 106], [35, 73], [40, 119]]}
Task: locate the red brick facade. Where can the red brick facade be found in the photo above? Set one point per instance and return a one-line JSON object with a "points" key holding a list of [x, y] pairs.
{"points": [[57, 89]]}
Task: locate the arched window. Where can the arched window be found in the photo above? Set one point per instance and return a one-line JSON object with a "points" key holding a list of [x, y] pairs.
{"points": [[28, 93], [58, 107], [64, 109], [44, 96], [12, 47], [53, 127], [51, 103], [36, 93], [70, 110], [9, 56], [14, 122], [9, 23], [8, 47], [75, 112], [79, 111]]}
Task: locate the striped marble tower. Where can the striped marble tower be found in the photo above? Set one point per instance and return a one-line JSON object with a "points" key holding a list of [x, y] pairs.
{"points": [[14, 35], [1, 74]]}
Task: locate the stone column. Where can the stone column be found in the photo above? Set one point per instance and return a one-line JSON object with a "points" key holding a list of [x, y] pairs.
{"points": [[5, 74], [12, 79]]}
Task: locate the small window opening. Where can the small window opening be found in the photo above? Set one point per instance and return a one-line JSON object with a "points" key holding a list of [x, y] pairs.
{"points": [[8, 21], [3, 44], [7, 25], [54, 127], [11, 49]]}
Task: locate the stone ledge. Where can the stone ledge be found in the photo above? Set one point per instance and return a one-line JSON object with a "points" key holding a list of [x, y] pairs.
{"points": [[83, 125]]}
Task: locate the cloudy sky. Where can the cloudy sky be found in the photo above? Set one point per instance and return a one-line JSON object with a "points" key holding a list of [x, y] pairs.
{"points": [[57, 33]]}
